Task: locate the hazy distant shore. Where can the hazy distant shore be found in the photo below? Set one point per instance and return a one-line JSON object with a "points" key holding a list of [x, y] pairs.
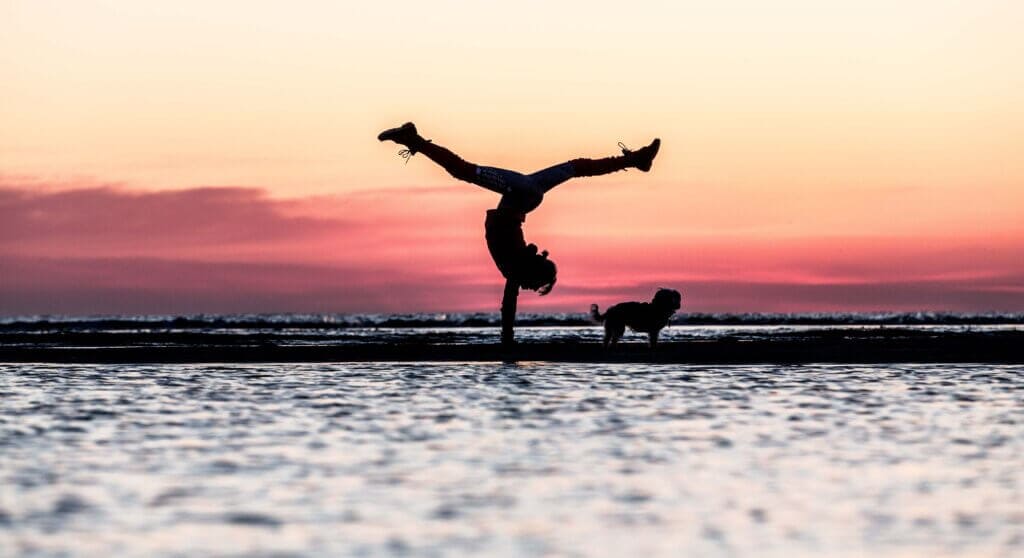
{"points": [[874, 345]]}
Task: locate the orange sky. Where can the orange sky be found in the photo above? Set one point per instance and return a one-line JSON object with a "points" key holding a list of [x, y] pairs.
{"points": [[816, 155]]}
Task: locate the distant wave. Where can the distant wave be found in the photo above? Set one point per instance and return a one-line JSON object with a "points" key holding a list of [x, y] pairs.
{"points": [[451, 320]]}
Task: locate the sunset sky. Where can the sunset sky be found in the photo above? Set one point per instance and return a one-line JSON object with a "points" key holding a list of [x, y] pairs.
{"points": [[160, 157]]}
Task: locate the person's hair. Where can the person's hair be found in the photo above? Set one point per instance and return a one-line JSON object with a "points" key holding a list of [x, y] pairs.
{"points": [[538, 273]]}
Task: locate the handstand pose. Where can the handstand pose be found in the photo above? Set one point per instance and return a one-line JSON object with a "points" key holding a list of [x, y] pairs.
{"points": [[518, 262]]}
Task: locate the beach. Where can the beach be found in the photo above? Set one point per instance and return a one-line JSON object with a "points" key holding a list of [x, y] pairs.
{"points": [[545, 279], [286, 435], [551, 338]]}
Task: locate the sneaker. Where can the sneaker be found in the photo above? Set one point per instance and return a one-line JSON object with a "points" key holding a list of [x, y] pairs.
{"points": [[643, 157], [404, 134]]}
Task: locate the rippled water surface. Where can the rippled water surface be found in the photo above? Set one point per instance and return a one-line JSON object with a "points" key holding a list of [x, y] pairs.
{"points": [[500, 459]]}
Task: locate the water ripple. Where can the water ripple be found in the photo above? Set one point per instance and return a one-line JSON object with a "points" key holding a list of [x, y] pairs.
{"points": [[500, 459]]}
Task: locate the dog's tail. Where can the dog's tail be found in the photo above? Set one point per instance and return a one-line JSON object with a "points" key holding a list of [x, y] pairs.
{"points": [[595, 314]]}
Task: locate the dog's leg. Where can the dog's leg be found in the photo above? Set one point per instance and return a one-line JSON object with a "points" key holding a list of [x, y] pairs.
{"points": [[617, 332], [653, 338]]}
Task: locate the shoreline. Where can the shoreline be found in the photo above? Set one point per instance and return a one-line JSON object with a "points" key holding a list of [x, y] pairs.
{"points": [[830, 346]]}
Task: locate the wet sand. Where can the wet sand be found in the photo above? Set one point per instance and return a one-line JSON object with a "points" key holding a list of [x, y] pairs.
{"points": [[881, 345]]}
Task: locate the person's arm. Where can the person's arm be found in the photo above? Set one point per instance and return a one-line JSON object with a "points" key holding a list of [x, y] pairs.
{"points": [[508, 312]]}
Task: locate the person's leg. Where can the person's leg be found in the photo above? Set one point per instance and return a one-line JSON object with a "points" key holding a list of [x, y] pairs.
{"points": [[543, 181], [517, 191], [502, 181], [553, 176], [407, 135]]}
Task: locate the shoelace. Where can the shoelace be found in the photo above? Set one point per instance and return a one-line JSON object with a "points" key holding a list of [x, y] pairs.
{"points": [[625, 152], [408, 153]]}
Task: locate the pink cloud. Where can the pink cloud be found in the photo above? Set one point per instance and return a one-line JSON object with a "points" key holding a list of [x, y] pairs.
{"points": [[105, 220], [145, 286], [101, 249]]}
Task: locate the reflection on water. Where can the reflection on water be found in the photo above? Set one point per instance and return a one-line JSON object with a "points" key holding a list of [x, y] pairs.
{"points": [[529, 459]]}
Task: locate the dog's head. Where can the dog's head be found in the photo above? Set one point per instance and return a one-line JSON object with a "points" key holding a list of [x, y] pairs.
{"points": [[667, 299]]}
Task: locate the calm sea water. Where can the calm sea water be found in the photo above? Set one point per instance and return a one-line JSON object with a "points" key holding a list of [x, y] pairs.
{"points": [[505, 460]]}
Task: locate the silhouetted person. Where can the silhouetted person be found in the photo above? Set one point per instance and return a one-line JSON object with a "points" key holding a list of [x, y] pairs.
{"points": [[520, 263]]}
